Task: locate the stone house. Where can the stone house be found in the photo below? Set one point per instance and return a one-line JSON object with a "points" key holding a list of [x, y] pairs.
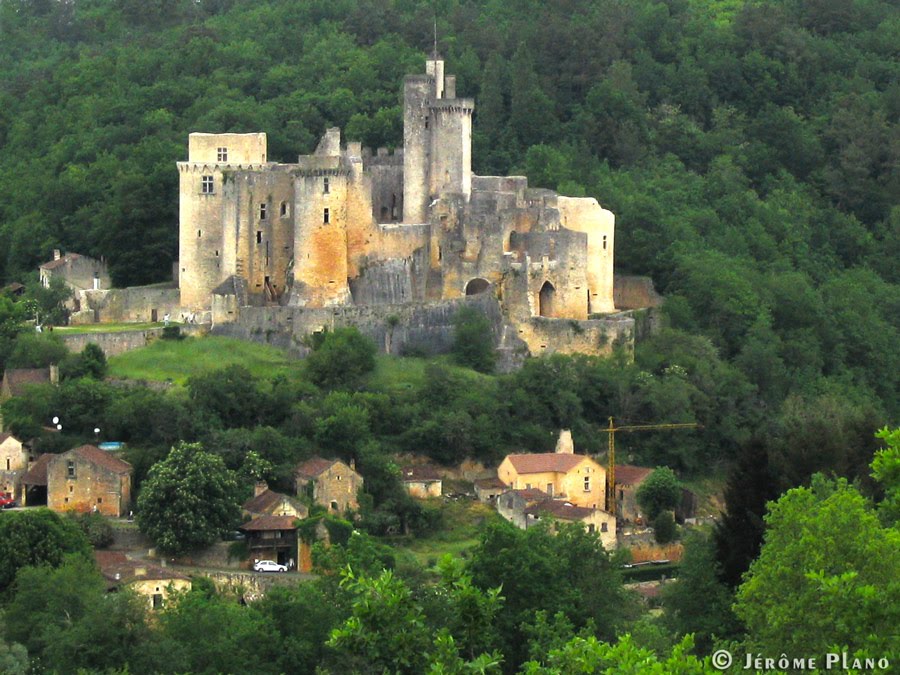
{"points": [[273, 538], [561, 474], [150, 581], [488, 489], [87, 479], [512, 504], [329, 482], [266, 502], [594, 520], [79, 272], [422, 481], [628, 480], [14, 460]]}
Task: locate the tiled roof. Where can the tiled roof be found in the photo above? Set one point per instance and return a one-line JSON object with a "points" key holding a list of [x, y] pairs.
{"points": [[59, 262], [266, 523], [531, 494], [626, 474], [559, 509], [313, 467], [37, 474], [18, 378], [269, 498], [542, 462], [420, 473], [102, 458]]}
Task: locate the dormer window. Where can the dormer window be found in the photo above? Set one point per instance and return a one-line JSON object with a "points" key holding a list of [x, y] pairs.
{"points": [[221, 154], [206, 185]]}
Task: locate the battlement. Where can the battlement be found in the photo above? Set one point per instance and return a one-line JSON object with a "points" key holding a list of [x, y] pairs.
{"points": [[382, 157], [458, 105]]}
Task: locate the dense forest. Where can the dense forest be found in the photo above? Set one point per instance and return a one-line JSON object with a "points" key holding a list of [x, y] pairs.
{"points": [[751, 153]]}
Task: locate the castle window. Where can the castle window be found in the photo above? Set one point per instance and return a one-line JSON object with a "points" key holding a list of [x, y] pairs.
{"points": [[70, 469], [262, 211], [199, 233], [604, 242], [326, 186], [326, 217], [258, 236], [206, 185], [221, 154], [283, 208]]}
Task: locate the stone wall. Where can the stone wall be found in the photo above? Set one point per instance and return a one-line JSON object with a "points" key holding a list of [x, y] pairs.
{"points": [[113, 343], [395, 329], [139, 303], [92, 486], [633, 292], [567, 336]]}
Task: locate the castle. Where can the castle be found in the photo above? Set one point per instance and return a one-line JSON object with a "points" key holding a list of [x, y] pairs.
{"points": [[346, 227]]}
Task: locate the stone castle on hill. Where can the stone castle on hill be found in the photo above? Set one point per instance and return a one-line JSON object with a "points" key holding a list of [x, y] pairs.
{"points": [[392, 243]]}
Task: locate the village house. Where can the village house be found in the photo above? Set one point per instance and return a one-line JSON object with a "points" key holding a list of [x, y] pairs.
{"points": [[628, 480], [266, 502], [488, 489], [422, 481], [330, 483], [561, 474], [273, 538], [79, 272], [152, 582], [14, 459], [512, 504], [89, 479], [594, 520]]}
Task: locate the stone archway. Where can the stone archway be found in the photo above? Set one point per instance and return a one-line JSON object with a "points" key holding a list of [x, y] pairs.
{"points": [[476, 286], [545, 299]]}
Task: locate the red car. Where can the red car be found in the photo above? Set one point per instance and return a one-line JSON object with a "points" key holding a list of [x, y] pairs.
{"points": [[6, 500]]}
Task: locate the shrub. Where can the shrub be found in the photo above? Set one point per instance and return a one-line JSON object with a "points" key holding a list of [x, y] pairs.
{"points": [[664, 529]]}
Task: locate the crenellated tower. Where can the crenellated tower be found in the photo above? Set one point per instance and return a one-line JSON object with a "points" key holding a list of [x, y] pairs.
{"points": [[437, 140]]}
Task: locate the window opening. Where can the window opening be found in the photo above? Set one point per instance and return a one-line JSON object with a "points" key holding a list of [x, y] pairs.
{"points": [[221, 154], [326, 217], [206, 185]]}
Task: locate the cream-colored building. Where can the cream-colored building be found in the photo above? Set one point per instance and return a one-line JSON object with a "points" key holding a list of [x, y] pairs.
{"points": [[155, 583], [560, 475], [594, 520], [14, 459], [422, 481]]}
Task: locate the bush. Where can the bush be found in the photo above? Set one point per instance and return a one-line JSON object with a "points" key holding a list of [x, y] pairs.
{"points": [[473, 341], [340, 358], [97, 529], [660, 492], [664, 529]]}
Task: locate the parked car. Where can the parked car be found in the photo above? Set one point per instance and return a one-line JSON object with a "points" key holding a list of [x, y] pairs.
{"points": [[268, 566], [6, 500]]}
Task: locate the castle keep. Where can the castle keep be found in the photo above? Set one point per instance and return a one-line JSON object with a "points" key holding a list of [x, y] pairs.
{"points": [[346, 227]]}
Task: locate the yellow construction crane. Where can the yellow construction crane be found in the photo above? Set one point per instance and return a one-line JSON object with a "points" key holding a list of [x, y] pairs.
{"points": [[611, 473]]}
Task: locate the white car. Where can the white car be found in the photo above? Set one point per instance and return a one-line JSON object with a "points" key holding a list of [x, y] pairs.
{"points": [[268, 566]]}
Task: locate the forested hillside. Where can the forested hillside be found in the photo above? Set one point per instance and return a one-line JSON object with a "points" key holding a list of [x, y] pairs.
{"points": [[750, 151]]}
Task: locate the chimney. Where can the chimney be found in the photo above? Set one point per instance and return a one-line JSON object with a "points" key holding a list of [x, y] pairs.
{"points": [[140, 571], [353, 464], [260, 487], [564, 444], [54, 373], [56, 254]]}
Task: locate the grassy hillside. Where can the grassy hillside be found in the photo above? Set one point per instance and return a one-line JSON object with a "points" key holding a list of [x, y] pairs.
{"points": [[177, 360]]}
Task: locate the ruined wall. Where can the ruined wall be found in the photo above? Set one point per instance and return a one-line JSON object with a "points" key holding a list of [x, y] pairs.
{"points": [[567, 336], [386, 172], [119, 342], [124, 305], [635, 292], [419, 328]]}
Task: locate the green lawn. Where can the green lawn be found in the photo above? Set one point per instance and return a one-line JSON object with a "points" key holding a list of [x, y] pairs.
{"points": [[107, 327], [177, 360]]}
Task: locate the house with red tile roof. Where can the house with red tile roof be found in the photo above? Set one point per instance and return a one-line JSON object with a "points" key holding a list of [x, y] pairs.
{"points": [[422, 480], [266, 502], [329, 482], [87, 479], [154, 582], [34, 482]]}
